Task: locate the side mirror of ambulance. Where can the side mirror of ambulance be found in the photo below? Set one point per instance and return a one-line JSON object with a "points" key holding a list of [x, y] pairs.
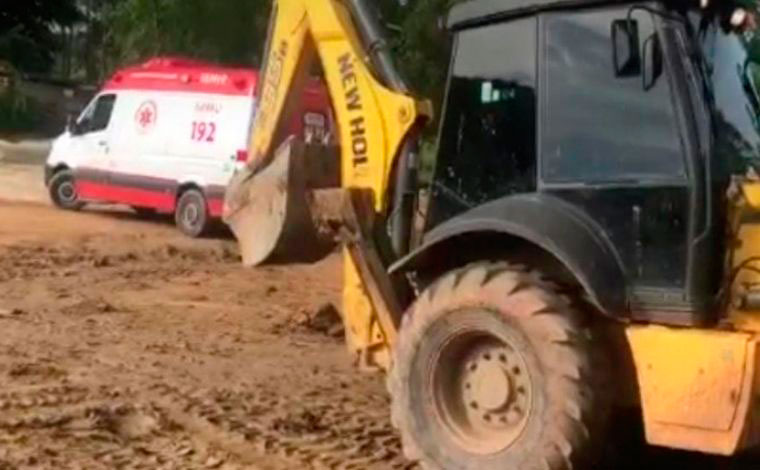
{"points": [[77, 128], [71, 124]]}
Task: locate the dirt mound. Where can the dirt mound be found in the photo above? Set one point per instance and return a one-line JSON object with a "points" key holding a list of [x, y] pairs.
{"points": [[222, 252], [91, 306], [34, 369], [324, 320], [299, 423], [326, 206]]}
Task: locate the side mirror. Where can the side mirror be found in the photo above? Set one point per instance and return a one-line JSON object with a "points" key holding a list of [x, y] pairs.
{"points": [[71, 124], [625, 48], [652, 61], [72, 114], [79, 127], [74, 127]]}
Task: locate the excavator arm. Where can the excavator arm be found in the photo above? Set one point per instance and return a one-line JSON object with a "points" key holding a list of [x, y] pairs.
{"points": [[378, 123]]}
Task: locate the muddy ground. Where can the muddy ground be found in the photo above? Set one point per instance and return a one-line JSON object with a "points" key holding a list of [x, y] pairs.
{"points": [[125, 345]]}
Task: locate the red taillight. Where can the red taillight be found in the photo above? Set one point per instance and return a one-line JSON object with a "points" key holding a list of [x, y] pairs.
{"points": [[242, 156]]}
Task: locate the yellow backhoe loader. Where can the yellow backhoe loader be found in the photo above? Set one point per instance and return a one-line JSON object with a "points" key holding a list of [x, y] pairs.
{"points": [[591, 237]]}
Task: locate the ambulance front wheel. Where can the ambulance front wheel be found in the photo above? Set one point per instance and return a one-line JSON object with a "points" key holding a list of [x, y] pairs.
{"points": [[191, 216], [63, 191]]}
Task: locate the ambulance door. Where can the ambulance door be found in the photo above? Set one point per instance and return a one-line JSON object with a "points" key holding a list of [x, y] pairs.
{"points": [[139, 151], [91, 140]]}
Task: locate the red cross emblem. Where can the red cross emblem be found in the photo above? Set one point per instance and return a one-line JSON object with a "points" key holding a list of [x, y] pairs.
{"points": [[146, 116]]}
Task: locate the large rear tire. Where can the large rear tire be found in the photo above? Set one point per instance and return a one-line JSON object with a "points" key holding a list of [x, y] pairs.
{"points": [[493, 371], [63, 192], [191, 215]]}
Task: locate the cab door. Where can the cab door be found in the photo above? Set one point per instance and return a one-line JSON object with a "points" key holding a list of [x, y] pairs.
{"points": [[617, 149], [91, 139]]}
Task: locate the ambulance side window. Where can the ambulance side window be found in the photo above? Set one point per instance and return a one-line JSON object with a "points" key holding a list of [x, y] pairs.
{"points": [[98, 116]]}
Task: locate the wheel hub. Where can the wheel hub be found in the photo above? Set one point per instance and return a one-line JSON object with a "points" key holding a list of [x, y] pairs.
{"points": [[495, 387], [191, 215], [489, 386], [66, 192], [483, 393]]}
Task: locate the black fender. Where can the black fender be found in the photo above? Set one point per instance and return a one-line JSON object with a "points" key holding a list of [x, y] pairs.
{"points": [[557, 227], [51, 170]]}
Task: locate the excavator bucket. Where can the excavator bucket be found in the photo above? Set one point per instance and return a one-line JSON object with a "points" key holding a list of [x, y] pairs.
{"points": [[274, 211]]}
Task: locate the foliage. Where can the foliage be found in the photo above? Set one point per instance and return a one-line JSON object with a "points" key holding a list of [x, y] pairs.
{"points": [[18, 113], [27, 27], [228, 31], [428, 152], [422, 49], [421, 45]]}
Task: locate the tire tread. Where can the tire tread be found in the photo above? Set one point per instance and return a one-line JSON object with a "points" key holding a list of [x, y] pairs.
{"points": [[552, 313]]}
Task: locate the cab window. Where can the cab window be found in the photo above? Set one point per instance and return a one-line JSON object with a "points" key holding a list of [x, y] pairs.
{"points": [[488, 136], [732, 72], [97, 116], [585, 136]]}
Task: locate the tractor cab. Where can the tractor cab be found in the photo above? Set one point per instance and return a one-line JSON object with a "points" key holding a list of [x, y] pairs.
{"points": [[606, 134]]}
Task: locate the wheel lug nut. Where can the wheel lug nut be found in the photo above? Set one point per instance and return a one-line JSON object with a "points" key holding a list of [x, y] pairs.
{"points": [[467, 386], [487, 357], [502, 358], [487, 417], [513, 416], [516, 370], [474, 405]]}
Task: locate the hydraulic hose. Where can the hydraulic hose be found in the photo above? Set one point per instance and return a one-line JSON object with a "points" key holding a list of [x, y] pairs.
{"points": [[405, 196], [374, 40], [405, 187]]}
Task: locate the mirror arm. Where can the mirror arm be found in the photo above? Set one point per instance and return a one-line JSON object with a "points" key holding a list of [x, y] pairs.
{"points": [[646, 86]]}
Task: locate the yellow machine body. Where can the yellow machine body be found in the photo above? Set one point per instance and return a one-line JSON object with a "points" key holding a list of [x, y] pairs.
{"points": [[697, 387], [372, 121], [700, 388]]}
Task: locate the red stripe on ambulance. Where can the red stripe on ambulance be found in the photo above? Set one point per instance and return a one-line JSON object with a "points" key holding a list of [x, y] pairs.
{"points": [[183, 75]]}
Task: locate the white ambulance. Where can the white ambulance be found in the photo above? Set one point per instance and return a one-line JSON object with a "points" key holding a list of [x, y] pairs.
{"points": [[165, 137]]}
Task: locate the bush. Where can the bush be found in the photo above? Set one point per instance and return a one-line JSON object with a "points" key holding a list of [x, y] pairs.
{"points": [[18, 113], [428, 153]]}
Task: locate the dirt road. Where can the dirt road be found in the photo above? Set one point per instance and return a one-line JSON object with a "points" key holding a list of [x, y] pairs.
{"points": [[125, 345]]}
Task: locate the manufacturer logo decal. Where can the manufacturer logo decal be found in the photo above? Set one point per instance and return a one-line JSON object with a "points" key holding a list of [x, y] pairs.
{"points": [[354, 108]]}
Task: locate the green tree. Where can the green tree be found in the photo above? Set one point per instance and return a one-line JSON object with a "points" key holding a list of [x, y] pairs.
{"points": [[27, 31], [421, 45], [229, 31]]}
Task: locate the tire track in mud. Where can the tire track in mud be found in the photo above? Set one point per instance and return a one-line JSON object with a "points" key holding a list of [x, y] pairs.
{"points": [[191, 428], [312, 430], [76, 426]]}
